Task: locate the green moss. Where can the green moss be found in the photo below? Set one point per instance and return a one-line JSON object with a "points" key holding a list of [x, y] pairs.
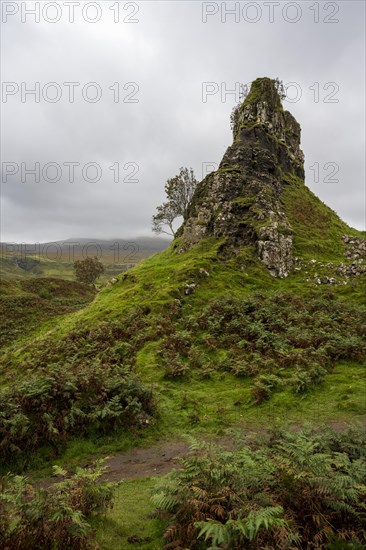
{"points": [[129, 519], [284, 230], [245, 202], [264, 89], [229, 168]]}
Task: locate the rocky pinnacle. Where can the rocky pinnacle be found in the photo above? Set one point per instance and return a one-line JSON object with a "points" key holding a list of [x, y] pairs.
{"points": [[241, 201]]}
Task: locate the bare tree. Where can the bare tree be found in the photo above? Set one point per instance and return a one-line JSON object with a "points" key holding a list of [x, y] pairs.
{"points": [[165, 216], [179, 191]]}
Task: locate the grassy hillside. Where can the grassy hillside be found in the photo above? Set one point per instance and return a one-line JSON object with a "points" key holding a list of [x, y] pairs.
{"points": [[146, 362], [275, 338], [27, 306]]}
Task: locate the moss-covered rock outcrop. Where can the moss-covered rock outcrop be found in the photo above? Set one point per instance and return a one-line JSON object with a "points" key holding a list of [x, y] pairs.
{"points": [[242, 200]]}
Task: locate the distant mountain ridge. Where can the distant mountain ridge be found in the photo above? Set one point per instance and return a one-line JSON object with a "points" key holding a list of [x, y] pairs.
{"points": [[55, 258]]}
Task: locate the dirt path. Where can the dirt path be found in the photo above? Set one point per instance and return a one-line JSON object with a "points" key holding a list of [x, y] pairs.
{"points": [[157, 460], [160, 459], [140, 462], [136, 463]]}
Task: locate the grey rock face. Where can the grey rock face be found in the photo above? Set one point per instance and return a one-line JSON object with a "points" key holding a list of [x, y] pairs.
{"points": [[275, 250]]}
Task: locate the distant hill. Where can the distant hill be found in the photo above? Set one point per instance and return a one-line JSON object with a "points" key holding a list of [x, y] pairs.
{"points": [[55, 259]]}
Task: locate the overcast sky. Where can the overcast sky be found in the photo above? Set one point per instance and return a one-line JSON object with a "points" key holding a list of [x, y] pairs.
{"points": [[157, 56]]}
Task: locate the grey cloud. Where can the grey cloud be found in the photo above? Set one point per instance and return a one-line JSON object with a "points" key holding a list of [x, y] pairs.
{"points": [[169, 54]]}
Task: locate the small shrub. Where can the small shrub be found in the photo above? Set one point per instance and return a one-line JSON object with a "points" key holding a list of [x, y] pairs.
{"points": [[56, 403], [301, 381], [264, 386], [177, 369], [88, 270], [243, 368], [271, 333], [298, 490], [56, 517]]}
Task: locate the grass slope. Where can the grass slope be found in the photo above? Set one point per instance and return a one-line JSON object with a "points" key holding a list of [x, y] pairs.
{"points": [[129, 324], [29, 305], [317, 229], [128, 524]]}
